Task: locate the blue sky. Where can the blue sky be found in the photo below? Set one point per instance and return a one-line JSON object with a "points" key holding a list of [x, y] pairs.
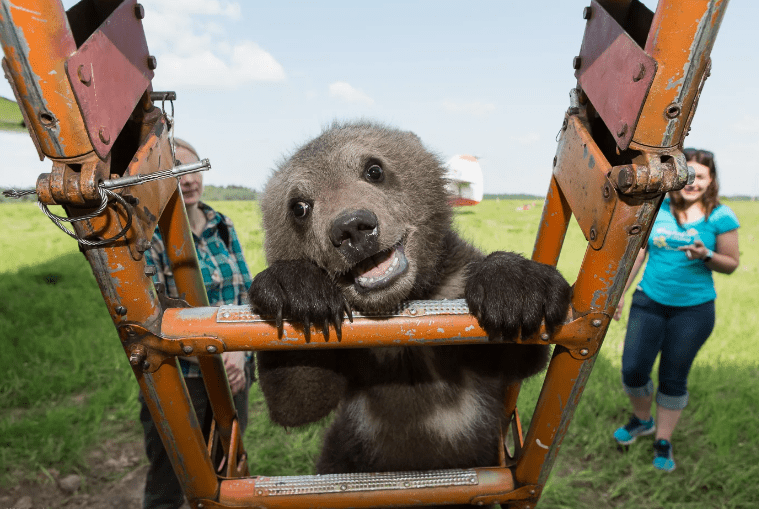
{"points": [[256, 79]]}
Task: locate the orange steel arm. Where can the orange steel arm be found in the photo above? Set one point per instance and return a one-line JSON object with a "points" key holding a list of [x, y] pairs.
{"points": [[619, 152]]}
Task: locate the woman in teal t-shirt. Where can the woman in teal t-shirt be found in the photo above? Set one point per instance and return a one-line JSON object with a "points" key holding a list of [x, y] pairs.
{"points": [[672, 311]]}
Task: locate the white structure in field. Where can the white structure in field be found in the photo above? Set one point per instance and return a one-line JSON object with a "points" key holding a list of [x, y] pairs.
{"points": [[465, 177]]}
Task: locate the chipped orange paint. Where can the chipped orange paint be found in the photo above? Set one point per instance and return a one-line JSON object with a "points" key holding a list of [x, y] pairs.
{"points": [[680, 39], [37, 41]]}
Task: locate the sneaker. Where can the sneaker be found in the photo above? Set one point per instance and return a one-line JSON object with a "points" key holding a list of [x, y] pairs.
{"points": [[633, 429], [663, 459]]}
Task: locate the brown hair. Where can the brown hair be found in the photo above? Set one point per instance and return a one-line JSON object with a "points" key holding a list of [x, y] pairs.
{"points": [[710, 198]]}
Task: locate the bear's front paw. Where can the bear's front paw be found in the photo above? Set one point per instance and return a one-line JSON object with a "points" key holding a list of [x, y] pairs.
{"points": [[508, 294], [301, 292]]}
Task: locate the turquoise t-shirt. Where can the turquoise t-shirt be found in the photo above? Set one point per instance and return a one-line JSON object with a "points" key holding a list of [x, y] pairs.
{"points": [[670, 277]]}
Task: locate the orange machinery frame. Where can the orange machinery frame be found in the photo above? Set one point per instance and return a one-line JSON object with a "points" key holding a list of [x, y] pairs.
{"points": [[83, 81]]}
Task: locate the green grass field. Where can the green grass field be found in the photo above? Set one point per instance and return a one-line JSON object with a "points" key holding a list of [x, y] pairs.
{"points": [[67, 385]]}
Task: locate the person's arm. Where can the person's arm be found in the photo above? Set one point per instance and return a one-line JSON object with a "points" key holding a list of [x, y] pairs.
{"points": [[635, 269], [726, 256]]}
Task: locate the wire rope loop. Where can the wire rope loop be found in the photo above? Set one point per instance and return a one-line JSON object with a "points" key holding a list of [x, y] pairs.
{"points": [[104, 195]]}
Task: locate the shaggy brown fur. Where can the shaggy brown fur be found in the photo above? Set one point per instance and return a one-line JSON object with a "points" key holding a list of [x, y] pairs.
{"points": [[359, 217]]}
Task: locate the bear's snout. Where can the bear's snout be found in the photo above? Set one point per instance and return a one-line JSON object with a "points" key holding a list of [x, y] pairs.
{"points": [[355, 234]]}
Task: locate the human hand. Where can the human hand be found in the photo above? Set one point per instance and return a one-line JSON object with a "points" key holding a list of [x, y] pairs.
{"points": [[695, 251], [234, 363], [618, 312]]}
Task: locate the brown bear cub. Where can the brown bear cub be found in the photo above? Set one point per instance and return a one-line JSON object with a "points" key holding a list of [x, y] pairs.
{"points": [[358, 218]]}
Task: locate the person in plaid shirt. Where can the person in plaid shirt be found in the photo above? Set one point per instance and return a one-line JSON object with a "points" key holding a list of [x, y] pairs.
{"points": [[226, 279]]}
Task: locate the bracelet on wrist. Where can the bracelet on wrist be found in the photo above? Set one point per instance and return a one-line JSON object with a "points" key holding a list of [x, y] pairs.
{"points": [[709, 255]]}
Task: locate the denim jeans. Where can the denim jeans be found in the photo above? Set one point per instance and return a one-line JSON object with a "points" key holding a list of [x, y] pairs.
{"points": [[678, 333]]}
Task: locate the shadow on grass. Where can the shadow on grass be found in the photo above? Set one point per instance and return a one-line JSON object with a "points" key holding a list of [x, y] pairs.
{"points": [[64, 371]]}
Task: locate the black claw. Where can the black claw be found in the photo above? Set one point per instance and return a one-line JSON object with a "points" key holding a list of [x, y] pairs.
{"points": [[307, 330], [325, 330], [278, 318], [339, 331], [348, 310]]}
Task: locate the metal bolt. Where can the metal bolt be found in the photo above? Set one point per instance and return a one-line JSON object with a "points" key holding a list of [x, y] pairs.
{"points": [[145, 365], [596, 323], [625, 178], [544, 336], [607, 191], [412, 311], [150, 270], [211, 349], [584, 351], [593, 234], [135, 358], [634, 230], [121, 310], [139, 11], [187, 349], [576, 62], [130, 330], [641, 73], [587, 12], [143, 245], [84, 75], [104, 136], [152, 62], [622, 131]]}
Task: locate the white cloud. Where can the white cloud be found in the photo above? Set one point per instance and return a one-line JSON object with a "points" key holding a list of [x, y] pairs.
{"points": [[347, 93], [476, 108], [191, 41]]}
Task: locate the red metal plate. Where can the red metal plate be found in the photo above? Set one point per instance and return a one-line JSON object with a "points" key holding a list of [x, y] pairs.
{"points": [[615, 74], [109, 74]]}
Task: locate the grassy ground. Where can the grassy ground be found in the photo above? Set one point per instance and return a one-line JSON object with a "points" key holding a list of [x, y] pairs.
{"points": [[66, 383]]}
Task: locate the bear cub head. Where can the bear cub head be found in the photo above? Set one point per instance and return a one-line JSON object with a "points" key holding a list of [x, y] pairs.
{"points": [[367, 204]]}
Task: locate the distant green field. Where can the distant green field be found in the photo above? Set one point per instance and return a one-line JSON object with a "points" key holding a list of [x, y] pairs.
{"points": [[66, 382], [11, 118]]}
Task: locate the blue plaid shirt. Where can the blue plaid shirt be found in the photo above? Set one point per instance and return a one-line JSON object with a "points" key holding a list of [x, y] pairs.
{"points": [[222, 264]]}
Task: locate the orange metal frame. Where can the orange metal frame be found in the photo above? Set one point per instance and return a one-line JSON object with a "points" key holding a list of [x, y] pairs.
{"points": [[618, 153]]}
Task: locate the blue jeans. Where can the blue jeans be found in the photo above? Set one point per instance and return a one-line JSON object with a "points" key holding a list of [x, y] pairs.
{"points": [[678, 332]]}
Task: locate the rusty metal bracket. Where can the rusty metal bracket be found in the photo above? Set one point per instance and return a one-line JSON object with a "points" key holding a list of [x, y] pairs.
{"points": [[109, 74], [149, 350], [590, 193], [614, 72], [524, 497], [583, 335], [661, 173], [73, 181]]}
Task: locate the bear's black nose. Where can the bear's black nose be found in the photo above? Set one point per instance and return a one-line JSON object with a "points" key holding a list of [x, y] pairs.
{"points": [[355, 233]]}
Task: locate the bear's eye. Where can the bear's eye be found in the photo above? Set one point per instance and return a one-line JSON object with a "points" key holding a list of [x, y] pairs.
{"points": [[375, 173], [300, 209]]}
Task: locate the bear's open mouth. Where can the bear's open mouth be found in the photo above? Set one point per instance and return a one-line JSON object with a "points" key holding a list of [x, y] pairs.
{"points": [[381, 269]]}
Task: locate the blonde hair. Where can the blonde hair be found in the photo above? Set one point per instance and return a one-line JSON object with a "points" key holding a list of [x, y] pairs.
{"points": [[180, 143]]}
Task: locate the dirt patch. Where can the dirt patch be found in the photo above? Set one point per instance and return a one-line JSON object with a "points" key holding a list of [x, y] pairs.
{"points": [[114, 478]]}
